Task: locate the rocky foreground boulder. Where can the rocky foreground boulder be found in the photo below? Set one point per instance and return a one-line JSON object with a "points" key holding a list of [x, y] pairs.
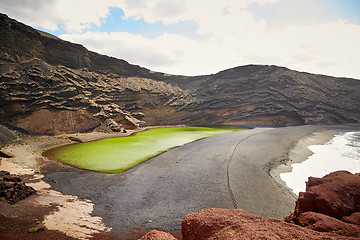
{"points": [[329, 209], [158, 235], [239, 224], [330, 204], [12, 188]]}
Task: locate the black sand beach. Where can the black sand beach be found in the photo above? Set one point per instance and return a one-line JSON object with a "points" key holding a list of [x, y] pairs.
{"points": [[160, 192]]}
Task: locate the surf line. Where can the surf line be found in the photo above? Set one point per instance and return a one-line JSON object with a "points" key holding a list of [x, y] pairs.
{"points": [[232, 195]]}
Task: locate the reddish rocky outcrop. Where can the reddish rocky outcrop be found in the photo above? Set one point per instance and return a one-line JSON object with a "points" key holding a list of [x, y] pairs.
{"points": [[353, 218], [12, 189], [229, 224], [324, 223], [239, 224], [330, 204], [158, 235], [329, 209]]}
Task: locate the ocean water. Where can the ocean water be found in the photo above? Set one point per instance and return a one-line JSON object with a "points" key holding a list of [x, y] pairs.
{"points": [[340, 153]]}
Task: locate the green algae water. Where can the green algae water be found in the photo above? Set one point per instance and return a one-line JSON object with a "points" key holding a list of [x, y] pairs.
{"points": [[114, 155]]}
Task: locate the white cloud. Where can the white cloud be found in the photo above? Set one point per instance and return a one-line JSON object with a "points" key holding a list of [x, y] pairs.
{"points": [[232, 35], [206, 13], [73, 15], [133, 48], [329, 48]]}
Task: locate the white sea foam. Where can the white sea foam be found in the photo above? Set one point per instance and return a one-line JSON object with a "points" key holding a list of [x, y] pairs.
{"points": [[340, 153]]}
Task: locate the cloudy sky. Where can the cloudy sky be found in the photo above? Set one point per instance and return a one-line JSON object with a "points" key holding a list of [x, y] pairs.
{"points": [[193, 37]]}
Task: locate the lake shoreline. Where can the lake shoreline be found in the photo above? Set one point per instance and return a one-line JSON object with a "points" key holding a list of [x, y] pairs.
{"points": [[115, 155], [55, 178]]}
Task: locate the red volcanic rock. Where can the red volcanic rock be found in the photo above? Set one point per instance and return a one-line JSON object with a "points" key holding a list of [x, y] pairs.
{"points": [[330, 204], [353, 218], [238, 224], [323, 223], [336, 195], [158, 235]]}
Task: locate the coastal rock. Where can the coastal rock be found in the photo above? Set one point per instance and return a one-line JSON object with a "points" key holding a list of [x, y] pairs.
{"points": [[12, 189], [158, 235], [330, 204], [336, 195], [324, 223], [239, 224], [353, 218]]}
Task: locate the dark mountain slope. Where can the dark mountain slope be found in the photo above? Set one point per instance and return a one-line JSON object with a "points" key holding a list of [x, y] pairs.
{"points": [[52, 86], [19, 43], [276, 94]]}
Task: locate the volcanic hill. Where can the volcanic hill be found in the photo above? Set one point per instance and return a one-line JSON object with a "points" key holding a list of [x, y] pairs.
{"points": [[51, 86]]}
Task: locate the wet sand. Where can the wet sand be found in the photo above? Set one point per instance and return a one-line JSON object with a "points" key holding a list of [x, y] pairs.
{"points": [[259, 160], [300, 152], [173, 184]]}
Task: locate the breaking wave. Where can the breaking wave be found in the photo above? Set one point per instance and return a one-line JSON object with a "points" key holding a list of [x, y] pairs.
{"points": [[340, 153]]}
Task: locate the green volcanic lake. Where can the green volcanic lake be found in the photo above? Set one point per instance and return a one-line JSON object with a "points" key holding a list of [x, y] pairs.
{"points": [[114, 155]]}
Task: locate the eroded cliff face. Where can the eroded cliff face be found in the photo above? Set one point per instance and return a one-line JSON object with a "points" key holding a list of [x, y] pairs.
{"points": [[78, 99], [52, 86]]}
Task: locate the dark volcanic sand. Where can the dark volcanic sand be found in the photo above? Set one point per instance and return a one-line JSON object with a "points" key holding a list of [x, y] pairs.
{"points": [[192, 177]]}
